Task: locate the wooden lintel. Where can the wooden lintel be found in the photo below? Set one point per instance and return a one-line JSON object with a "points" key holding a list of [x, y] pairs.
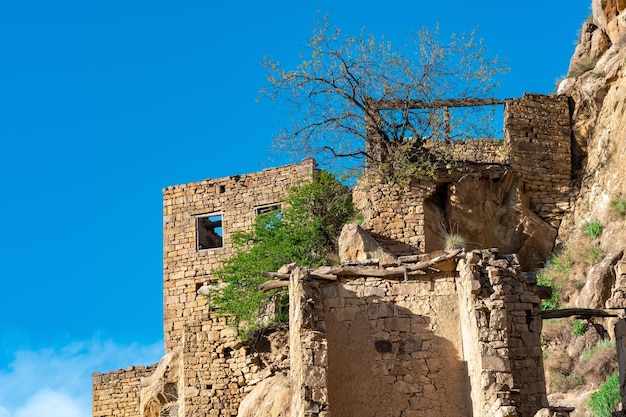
{"points": [[585, 313], [399, 104]]}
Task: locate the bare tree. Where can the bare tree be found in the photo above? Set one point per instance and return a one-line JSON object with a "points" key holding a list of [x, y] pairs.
{"points": [[403, 95]]}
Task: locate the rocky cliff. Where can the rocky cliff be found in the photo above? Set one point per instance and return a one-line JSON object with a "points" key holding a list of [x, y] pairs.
{"points": [[596, 86]]}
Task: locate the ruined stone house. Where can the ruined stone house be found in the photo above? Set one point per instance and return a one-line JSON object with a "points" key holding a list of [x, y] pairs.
{"points": [[459, 339]]}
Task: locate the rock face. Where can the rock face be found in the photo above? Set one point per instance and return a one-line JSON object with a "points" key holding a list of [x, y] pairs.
{"points": [[159, 391], [597, 90], [492, 214]]}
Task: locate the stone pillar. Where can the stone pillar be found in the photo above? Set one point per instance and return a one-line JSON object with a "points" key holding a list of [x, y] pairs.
{"points": [[307, 351]]}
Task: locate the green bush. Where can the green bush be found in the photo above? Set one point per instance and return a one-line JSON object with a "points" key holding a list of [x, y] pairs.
{"points": [[554, 275], [602, 344], [593, 228], [618, 206], [305, 233], [607, 399], [579, 327]]}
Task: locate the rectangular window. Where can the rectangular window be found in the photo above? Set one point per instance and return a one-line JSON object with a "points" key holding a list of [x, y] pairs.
{"points": [[268, 208], [209, 234]]}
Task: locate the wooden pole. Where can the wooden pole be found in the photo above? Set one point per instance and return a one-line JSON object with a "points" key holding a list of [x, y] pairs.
{"points": [[620, 344]]}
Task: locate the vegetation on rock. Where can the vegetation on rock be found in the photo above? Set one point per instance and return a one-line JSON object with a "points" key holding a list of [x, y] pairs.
{"points": [[607, 399], [593, 228], [618, 205]]}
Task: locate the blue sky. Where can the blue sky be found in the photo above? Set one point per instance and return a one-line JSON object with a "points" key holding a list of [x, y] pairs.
{"points": [[104, 103]]}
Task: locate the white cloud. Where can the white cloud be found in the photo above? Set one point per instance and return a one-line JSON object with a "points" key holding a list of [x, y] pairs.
{"points": [[55, 382], [50, 403]]}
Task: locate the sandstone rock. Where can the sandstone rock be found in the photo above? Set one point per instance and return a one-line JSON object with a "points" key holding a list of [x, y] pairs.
{"points": [[599, 116], [270, 398], [356, 244], [489, 214], [159, 390]]}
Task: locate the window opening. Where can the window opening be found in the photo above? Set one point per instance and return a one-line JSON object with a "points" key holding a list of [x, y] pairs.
{"points": [[268, 208], [209, 232], [270, 214]]}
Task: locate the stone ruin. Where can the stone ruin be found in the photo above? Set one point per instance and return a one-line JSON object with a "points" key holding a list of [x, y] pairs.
{"points": [[461, 337]]}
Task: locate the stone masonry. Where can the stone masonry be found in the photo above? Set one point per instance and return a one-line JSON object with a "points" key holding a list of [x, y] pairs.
{"points": [[447, 343], [537, 148], [213, 361]]}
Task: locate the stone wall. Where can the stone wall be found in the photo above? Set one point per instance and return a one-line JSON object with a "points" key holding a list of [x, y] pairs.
{"points": [[484, 151], [537, 148], [116, 393], [185, 266], [501, 325], [394, 214], [538, 136], [213, 363], [433, 344]]}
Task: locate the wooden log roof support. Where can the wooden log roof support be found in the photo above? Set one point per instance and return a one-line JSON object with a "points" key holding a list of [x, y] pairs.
{"points": [[400, 104], [330, 273], [583, 313]]}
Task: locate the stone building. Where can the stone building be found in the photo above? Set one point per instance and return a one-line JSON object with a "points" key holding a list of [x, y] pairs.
{"points": [[198, 221], [460, 341]]}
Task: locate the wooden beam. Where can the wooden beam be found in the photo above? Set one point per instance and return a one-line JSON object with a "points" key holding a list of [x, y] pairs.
{"points": [[399, 104], [273, 285], [584, 313], [383, 273]]}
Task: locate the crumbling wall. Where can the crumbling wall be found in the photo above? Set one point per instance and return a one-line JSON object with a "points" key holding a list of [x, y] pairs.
{"points": [[213, 369], [537, 148], [116, 393], [483, 151], [439, 343], [372, 347], [501, 325], [216, 369], [538, 135], [185, 267], [394, 214]]}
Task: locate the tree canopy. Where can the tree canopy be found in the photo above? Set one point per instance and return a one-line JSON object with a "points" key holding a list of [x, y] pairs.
{"points": [[347, 80]]}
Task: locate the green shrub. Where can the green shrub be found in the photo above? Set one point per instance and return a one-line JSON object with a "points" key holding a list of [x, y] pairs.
{"points": [[554, 302], [602, 344], [618, 206], [554, 275], [593, 228], [606, 400], [305, 233], [579, 327]]}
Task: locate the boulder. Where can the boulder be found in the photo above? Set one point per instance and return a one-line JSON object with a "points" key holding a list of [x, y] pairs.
{"points": [[270, 398], [356, 244]]}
